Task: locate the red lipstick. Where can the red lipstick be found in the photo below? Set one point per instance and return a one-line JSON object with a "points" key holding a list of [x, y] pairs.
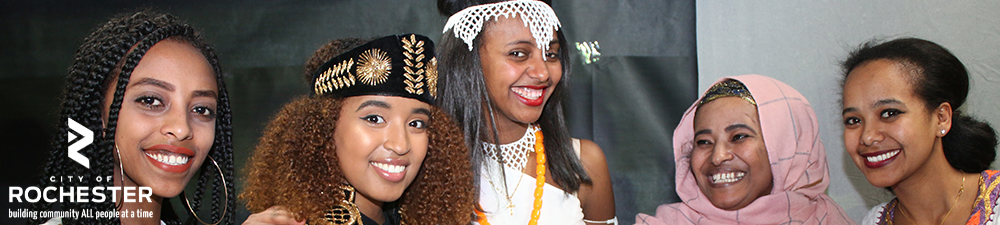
{"points": [[167, 154]]}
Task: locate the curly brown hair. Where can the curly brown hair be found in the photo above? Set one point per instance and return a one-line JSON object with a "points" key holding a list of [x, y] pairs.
{"points": [[295, 164]]}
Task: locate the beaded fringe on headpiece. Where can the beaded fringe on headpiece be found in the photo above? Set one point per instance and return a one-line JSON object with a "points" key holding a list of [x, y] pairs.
{"points": [[536, 15]]}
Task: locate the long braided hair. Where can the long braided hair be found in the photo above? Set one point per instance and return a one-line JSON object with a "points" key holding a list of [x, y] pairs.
{"points": [[113, 51]]}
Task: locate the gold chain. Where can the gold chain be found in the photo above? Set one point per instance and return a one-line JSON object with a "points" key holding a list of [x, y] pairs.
{"points": [[961, 190]]}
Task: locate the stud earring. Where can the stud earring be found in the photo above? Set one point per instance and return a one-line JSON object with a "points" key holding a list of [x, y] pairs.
{"points": [[943, 132]]}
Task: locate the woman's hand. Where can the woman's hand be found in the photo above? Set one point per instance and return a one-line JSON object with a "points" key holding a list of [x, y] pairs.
{"points": [[274, 215]]}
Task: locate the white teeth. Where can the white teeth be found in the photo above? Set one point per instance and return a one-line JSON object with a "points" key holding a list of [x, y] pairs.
{"points": [[882, 157], [727, 177], [389, 167], [528, 93], [169, 158]]}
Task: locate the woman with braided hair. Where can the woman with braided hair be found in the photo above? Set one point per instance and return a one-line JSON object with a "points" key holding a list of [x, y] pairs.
{"points": [[366, 147], [151, 90]]}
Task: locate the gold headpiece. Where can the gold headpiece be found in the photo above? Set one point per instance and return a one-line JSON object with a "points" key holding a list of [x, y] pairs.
{"points": [[395, 65], [727, 88]]}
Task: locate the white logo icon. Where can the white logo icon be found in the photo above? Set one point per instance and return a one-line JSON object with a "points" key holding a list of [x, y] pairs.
{"points": [[78, 138]]}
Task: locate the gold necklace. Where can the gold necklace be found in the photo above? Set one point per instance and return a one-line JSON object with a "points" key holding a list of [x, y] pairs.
{"points": [[510, 196], [960, 191]]}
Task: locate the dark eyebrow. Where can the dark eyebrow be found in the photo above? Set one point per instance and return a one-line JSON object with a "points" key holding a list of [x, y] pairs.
{"points": [[849, 110], [203, 93], [877, 104], [424, 111], [517, 42], [885, 102], [730, 128], [154, 82], [700, 132], [376, 103]]}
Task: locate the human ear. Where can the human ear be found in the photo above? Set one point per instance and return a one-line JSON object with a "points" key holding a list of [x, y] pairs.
{"points": [[943, 113]]}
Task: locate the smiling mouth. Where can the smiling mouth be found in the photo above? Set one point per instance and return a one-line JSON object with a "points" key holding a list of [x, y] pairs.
{"points": [[389, 167], [882, 157], [529, 93], [728, 177], [169, 158]]}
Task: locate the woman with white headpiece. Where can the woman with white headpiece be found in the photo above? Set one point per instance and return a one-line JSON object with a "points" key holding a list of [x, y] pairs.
{"points": [[502, 76]]}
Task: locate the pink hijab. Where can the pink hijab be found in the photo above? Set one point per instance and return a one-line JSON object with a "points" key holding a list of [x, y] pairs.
{"points": [[798, 165]]}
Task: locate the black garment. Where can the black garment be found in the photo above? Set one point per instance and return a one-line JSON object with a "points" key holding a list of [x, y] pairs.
{"points": [[391, 212]]}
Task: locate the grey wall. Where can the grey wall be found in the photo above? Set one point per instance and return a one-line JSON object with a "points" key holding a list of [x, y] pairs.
{"points": [[801, 43]]}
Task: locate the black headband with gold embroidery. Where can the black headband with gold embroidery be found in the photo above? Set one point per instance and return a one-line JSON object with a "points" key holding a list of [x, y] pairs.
{"points": [[396, 65], [727, 88]]}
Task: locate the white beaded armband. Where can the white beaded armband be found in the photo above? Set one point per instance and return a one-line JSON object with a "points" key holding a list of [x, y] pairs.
{"points": [[611, 221]]}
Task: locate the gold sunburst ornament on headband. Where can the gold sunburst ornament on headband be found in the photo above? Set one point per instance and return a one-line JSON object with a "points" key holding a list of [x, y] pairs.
{"points": [[536, 15], [373, 67], [401, 65]]}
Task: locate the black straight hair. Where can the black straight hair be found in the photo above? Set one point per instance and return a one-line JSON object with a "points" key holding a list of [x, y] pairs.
{"points": [[937, 76], [110, 54], [462, 94]]}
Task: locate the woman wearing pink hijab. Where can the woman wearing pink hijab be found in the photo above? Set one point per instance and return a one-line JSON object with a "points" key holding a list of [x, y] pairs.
{"points": [[748, 152]]}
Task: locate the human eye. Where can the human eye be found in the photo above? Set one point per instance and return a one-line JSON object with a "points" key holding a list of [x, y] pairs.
{"points": [[851, 121], [739, 137], [374, 119], [517, 54], [149, 102], [419, 124], [204, 111], [552, 56], [703, 143], [890, 113]]}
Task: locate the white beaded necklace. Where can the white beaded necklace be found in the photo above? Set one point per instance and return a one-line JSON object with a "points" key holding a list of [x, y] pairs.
{"points": [[514, 154]]}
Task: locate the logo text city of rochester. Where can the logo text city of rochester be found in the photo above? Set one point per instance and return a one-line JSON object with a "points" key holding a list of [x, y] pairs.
{"points": [[78, 137]]}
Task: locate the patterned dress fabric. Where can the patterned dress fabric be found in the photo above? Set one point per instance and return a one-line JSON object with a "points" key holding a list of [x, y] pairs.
{"points": [[982, 211]]}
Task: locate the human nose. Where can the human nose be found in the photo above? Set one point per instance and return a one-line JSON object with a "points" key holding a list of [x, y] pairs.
{"points": [[539, 70], [397, 140], [871, 134], [721, 154], [176, 125]]}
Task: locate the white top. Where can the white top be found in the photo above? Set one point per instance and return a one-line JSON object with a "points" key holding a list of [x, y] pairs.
{"points": [[558, 206]]}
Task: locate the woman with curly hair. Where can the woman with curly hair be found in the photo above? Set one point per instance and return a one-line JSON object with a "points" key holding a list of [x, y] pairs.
{"points": [[152, 91], [366, 147], [504, 67]]}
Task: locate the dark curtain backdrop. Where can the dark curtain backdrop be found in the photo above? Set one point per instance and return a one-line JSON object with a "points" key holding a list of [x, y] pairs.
{"points": [[627, 99]]}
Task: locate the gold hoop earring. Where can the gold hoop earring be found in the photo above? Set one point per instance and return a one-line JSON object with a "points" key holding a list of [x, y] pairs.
{"points": [[225, 191], [121, 170], [344, 212]]}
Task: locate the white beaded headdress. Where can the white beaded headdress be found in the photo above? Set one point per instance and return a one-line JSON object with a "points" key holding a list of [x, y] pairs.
{"points": [[536, 15]]}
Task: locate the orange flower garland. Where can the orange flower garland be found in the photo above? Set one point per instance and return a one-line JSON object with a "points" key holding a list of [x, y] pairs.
{"points": [[536, 212]]}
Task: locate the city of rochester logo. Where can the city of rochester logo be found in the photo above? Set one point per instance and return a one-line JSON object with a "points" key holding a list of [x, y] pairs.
{"points": [[78, 138], [69, 188]]}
